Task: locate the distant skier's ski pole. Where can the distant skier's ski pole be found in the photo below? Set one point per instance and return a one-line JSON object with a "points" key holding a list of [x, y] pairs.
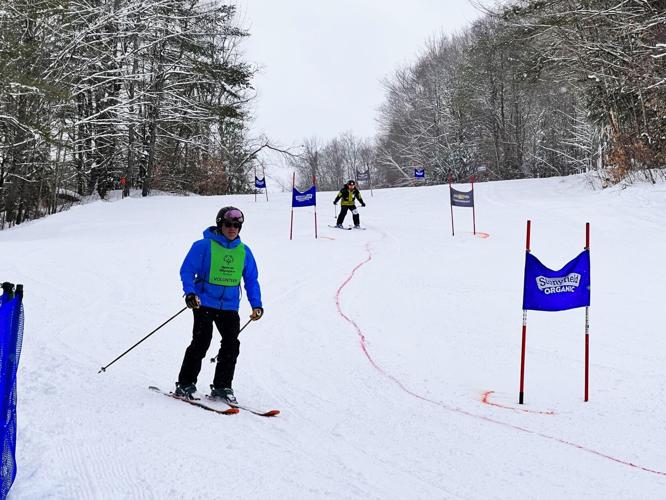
{"points": [[212, 360], [103, 369]]}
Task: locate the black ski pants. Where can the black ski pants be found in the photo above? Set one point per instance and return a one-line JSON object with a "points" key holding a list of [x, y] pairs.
{"points": [[343, 214], [228, 324]]}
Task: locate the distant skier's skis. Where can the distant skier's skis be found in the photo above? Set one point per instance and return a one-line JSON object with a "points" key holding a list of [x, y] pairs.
{"points": [[196, 402], [348, 228]]}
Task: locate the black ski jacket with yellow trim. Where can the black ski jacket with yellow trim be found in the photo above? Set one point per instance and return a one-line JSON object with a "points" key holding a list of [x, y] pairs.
{"points": [[348, 197]]}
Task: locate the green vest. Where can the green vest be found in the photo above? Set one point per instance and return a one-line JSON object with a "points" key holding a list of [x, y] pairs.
{"points": [[226, 264], [349, 201]]}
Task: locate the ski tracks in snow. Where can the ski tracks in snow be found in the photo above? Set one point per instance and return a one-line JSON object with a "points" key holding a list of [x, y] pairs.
{"points": [[364, 347]]}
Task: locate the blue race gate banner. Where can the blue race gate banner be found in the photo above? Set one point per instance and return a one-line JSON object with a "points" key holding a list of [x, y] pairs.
{"points": [[548, 290], [419, 173], [304, 199], [259, 183], [11, 336], [363, 176], [462, 198]]}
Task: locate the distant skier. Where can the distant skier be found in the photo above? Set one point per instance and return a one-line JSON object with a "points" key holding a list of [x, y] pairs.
{"points": [[211, 275], [348, 194]]}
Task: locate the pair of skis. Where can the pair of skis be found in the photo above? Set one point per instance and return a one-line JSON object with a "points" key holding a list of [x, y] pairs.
{"points": [[232, 410], [347, 228]]}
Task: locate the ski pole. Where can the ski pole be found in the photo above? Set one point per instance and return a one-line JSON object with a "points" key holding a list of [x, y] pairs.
{"points": [[103, 369], [212, 360]]}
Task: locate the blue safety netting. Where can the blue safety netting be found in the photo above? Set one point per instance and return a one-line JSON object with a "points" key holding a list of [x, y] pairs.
{"points": [[11, 336]]}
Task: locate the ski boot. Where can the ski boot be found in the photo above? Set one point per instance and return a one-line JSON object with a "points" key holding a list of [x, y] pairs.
{"points": [[185, 391], [225, 394]]}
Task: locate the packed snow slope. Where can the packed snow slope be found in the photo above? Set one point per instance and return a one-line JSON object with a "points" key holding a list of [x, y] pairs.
{"points": [[393, 353]]}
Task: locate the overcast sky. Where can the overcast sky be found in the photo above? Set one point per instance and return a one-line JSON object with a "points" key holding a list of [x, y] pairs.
{"points": [[322, 61]]}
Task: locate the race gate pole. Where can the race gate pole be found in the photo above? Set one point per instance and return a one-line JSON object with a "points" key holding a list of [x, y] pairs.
{"points": [[263, 169], [473, 209], [453, 233], [524, 340], [587, 325], [314, 183], [291, 227]]}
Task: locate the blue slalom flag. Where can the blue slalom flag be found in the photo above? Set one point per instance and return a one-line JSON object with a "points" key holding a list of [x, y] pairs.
{"points": [[419, 173], [548, 290], [305, 198], [363, 176], [462, 198], [259, 183], [11, 338]]}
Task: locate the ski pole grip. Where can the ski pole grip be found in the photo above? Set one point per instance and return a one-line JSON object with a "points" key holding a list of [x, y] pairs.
{"points": [[8, 288]]}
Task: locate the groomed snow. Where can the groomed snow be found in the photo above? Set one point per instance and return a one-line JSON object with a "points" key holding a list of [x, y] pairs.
{"points": [[378, 347]]}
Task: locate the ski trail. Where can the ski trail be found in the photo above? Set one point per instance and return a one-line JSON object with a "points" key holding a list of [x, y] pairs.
{"points": [[366, 352]]}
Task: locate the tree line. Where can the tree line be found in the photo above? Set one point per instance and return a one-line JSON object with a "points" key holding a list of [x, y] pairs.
{"points": [[154, 94], [102, 94], [532, 89]]}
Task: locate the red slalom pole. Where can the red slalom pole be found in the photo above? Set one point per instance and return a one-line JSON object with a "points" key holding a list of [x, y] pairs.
{"points": [[473, 209], [314, 183], [265, 183], [524, 340], [293, 184], [453, 233], [522, 360], [587, 325], [291, 227]]}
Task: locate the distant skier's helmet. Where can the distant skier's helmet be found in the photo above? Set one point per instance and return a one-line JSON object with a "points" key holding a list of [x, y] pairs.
{"points": [[351, 181], [229, 214]]}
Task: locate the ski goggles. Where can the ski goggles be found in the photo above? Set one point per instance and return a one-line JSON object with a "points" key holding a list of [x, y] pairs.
{"points": [[234, 215], [228, 224]]}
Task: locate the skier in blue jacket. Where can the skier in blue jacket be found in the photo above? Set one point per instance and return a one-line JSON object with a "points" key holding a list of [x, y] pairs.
{"points": [[211, 274]]}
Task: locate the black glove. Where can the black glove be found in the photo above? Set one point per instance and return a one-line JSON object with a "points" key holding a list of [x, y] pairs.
{"points": [[192, 301], [257, 313], [335, 202], [362, 204]]}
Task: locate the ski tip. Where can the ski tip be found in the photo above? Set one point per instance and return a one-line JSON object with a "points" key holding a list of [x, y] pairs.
{"points": [[230, 411], [271, 413]]}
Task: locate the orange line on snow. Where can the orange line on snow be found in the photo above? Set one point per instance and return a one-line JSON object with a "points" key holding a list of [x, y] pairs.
{"points": [[364, 348], [485, 400]]}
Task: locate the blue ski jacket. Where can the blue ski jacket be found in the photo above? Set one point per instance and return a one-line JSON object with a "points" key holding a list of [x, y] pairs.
{"points": [[196, 268]]}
